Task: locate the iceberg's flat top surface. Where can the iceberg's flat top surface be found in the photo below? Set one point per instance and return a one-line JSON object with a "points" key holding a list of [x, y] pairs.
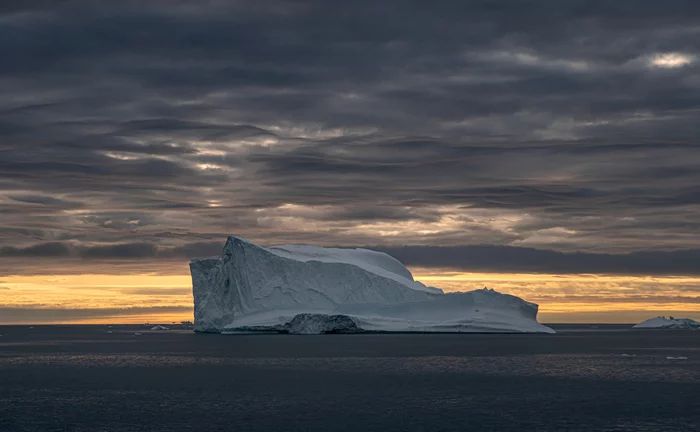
{"points": [[663, 322], [375, 262], [367, 259], [252, 286]]}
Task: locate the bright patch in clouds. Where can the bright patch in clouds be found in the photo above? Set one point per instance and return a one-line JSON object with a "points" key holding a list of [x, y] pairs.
{"points": [[534, 60], [120, 156], [206, 166], [671, 60]]}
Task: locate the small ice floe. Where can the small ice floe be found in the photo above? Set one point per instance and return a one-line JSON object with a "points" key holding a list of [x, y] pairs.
{"points": [[676, 358], [31, 327], [109, 331], [668, 323], [160, 327], [137, 334], [629, 355]]}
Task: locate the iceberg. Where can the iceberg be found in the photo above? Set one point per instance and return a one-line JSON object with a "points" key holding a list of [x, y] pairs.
{"points": [[312, 290], [668, 323]]}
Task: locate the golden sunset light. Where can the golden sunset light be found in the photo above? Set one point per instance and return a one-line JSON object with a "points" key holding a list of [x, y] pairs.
{"points": [[135, 298]]}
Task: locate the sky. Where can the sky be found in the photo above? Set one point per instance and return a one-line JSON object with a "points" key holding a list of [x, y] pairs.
{"points": [[548, 149]]}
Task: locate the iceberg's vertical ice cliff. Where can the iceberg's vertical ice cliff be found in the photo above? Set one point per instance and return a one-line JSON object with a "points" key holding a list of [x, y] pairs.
{"points": [[253, 287]]}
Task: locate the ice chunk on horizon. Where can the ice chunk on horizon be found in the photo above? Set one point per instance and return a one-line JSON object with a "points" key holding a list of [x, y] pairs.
{"points": [[250, 286], [668, 323], [160, 327]]}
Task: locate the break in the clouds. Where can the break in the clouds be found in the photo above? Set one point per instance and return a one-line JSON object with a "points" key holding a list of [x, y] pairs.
{"points": [[132, 129]]}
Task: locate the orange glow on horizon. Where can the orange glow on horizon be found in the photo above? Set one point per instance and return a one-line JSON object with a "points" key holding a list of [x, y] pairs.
{"points": [[139, 298]]}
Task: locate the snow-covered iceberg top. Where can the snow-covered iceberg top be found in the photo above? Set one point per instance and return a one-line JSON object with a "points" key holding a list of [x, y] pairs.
{"points": [[254, 288], [669, 323]]}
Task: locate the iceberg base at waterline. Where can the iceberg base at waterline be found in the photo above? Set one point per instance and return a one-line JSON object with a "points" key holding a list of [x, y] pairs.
{"points": [[304, 323], [312, 290]]}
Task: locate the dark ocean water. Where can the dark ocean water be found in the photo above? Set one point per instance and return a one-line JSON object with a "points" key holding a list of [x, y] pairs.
{"points": [[81, 378]]}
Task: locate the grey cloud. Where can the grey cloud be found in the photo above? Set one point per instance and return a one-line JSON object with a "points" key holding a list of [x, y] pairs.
{"points": [[382, 214], [194, 250], [468, 258], [45, 200], [513, 259], [119, 144], [68, 250], [123, 251], [39, 250]]}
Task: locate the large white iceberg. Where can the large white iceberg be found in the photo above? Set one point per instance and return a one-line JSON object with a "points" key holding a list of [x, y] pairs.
{"points": [[253, 288], [668, 323]]}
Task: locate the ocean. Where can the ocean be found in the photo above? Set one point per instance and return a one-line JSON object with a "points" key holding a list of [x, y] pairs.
{"points": [[584, 378]]}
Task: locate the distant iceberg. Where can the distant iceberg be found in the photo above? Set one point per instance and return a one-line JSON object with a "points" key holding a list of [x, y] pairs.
{"points": [[308, 289], [668, 323]]}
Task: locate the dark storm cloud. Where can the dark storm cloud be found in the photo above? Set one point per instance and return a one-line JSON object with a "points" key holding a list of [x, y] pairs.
{"points": [[129, 250], [152, 129], [469, 258], [40, 250], [505, 259], [45, 200], [123, 251], [67, 250]]}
